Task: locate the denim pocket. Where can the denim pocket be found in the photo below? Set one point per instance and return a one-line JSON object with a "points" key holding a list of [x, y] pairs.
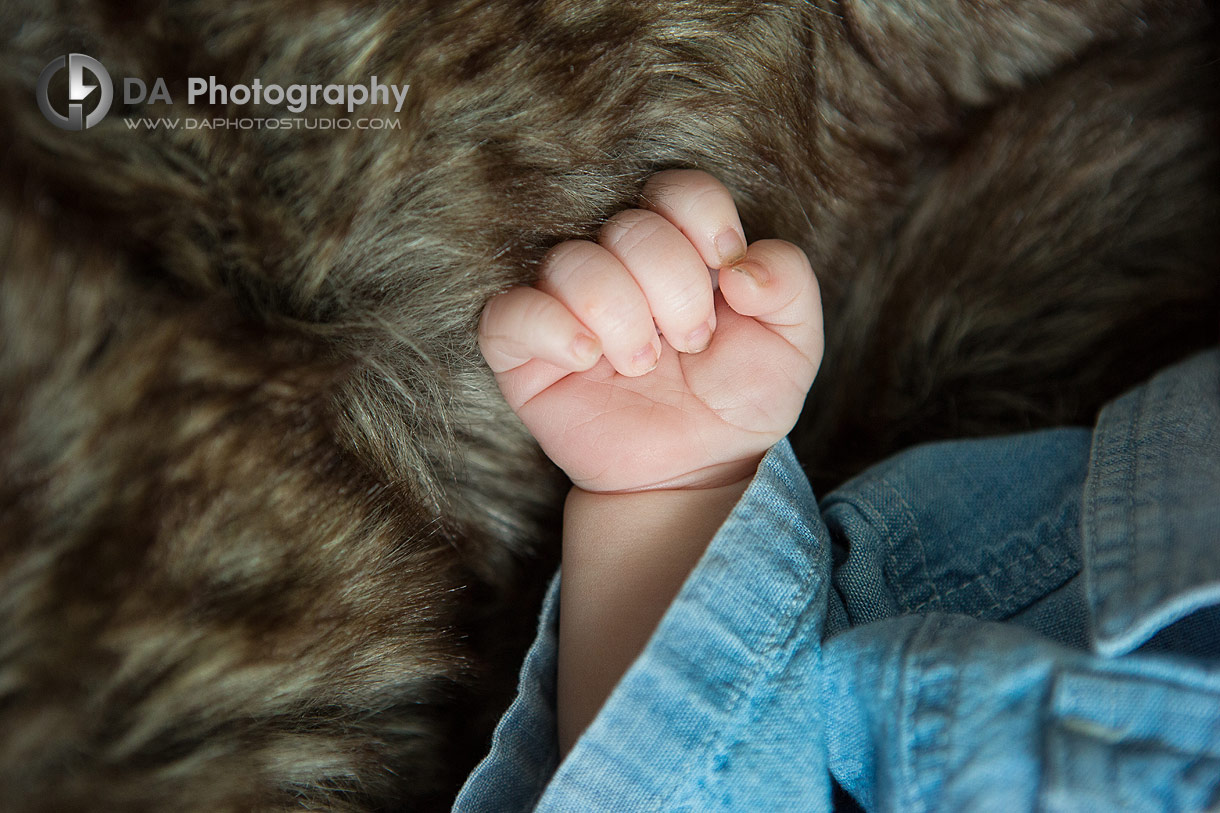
{"points": [[981, 528], [1131, 742]]}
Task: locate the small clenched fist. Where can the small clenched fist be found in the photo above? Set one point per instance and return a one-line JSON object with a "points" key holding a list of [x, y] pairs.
{"points": [[668, 354]]}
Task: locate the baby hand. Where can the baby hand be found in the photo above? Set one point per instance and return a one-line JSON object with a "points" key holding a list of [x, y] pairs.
{"points": [[634, 370]]}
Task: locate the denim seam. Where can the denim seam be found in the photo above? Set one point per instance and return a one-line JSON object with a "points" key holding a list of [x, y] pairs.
{"points": [[910, 707], [553, 758], [738, 690], [910, 685], [1114, 548], [873, 518], [983, 577], [781, 645], [801, 598], [707, 748], [914, 687], [891, 558], [1128, 543], [1133, 595], [1100, 574], [1066, 724], [1088, 519]]}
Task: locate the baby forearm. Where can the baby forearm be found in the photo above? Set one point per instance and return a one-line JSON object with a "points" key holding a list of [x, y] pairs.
{"points": [[657, 386], [624, 558]]}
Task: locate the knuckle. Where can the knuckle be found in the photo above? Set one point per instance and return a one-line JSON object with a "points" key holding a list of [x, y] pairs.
{"points": [[707, 194], [630, 230], [612, 314], [538, 311], [565, 262], [696, 196], [689, 303]]}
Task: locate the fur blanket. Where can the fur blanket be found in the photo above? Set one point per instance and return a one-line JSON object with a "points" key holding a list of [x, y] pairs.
{"points": [[269, 539]]}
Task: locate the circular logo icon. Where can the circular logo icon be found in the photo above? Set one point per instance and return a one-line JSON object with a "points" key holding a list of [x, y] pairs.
{"points": [[78, 91]]}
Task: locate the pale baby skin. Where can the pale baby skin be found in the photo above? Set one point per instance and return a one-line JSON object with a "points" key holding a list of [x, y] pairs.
{"points": [[655, 367]]}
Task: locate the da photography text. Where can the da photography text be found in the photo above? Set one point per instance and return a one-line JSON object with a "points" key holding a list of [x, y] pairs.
{"points": [[91, 93]]}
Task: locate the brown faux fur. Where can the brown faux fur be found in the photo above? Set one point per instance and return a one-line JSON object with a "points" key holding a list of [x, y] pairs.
{"points": [[269, 539]]}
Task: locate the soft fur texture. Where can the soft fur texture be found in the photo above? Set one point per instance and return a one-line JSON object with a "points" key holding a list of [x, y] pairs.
{"points": [[269, 539]]}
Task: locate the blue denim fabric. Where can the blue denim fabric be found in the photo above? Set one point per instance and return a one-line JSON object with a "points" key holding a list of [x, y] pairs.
{"points": [[1018, 623]]}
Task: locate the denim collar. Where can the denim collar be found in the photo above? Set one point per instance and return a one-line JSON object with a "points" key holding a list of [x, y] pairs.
{"points": [[1151, 512]]}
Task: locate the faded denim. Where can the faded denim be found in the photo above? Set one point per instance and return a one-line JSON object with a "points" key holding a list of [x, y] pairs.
{"points": [[1016, 623]]}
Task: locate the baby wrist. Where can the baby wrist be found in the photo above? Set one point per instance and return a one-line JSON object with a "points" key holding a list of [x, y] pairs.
{"points": [[716, 475]]}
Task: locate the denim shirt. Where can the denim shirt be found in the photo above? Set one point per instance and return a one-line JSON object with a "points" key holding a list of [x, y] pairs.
{"points": [[1015, 623]]}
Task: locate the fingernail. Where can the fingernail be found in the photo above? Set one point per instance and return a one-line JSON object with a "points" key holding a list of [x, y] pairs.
{"points": [[586, 349], [645, 361], [698, 339], [754, 271], [729, 246]]}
